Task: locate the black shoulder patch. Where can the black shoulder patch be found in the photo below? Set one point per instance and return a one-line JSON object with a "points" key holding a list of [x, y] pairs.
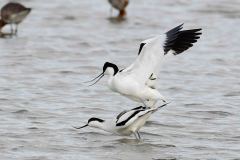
{"points": [[141, 47], [180, 41]]}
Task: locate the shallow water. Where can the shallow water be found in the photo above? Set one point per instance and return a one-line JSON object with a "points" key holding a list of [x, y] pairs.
{"points": [[61, 44]]}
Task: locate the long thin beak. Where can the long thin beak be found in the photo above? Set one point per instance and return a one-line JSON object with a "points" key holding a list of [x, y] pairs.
{"points": [[81, 127], [93, 78], [98, 78]]}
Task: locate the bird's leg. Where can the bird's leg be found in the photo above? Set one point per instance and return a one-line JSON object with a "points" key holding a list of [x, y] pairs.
{"points": [[136, 135], [139, 137], [144, 103], [11, 25], [16, 29]]}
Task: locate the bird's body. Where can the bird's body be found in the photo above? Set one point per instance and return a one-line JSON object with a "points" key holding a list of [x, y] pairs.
{"points": [[13, 14], [119, 5], [126, 85], [126, 123], [138, 81]]}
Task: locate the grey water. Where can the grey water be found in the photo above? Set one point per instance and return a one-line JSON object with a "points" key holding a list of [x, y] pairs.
{"points": [[63, 43]]}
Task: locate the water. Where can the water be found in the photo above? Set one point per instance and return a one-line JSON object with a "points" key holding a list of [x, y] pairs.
{"points": [[61, 44]]}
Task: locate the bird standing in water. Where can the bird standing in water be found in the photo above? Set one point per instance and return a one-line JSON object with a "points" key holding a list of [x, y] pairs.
{"points": [[138, 81], [126, 123], [120, 5], [13, 14]]}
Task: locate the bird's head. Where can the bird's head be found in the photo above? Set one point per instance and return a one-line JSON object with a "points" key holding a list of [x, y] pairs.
{"points": [[93, 122], [108, 69]]}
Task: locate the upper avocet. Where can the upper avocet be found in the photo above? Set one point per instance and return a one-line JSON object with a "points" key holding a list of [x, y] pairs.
{"points": [[138, 81], [126, 123]]}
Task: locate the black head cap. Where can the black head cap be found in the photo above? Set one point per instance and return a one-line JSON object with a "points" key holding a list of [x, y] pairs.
{"points": [[95, 119], [108, 64]]}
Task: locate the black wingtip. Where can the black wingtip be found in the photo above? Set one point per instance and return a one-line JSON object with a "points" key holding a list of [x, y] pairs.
{"points": [[180, 40], [178, 28]]}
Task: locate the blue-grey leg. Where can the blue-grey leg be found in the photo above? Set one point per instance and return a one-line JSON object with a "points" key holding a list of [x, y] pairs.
{"points": [[16, 29], [136, 135], [11, 25], [139, 137]]}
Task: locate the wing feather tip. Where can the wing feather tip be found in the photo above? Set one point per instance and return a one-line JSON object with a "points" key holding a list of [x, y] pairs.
{"points": [[179, 41]]}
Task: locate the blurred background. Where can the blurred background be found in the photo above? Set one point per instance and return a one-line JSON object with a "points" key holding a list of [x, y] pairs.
{"points": [[63, 43]]}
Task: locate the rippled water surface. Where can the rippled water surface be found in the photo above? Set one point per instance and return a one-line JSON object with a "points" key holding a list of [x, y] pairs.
{"points": [[63, 43]]}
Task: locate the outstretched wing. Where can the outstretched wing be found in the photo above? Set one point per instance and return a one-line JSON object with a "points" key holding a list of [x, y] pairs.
{"points": [[179, 41], [152, 52]]}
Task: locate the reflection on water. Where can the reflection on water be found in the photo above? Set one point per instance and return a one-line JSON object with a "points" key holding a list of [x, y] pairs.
{"points": [[60, 45]]}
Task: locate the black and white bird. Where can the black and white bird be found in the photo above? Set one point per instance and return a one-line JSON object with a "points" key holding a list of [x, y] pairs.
{"points": [[138, 81], [126, 123]]}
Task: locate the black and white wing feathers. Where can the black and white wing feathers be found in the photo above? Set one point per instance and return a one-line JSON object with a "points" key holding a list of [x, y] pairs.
{"points": [[179, 41], [127, 118], [125, 111], [152, 52]]}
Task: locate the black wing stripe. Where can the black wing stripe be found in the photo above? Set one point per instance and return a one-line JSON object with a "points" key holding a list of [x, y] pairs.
{"points": [[120, 114], [123, 112], [140, 107], [130, 117], [180, 41]]}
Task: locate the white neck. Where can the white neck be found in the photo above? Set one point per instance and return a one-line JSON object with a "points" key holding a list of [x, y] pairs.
{"points": [[109, 71]]}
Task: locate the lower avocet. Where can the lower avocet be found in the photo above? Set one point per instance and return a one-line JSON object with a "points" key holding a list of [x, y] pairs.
{"points": [[126, 123]]}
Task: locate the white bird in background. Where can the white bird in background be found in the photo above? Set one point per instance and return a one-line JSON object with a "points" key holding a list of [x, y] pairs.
{"points": [[126, 123], [138, 81]]}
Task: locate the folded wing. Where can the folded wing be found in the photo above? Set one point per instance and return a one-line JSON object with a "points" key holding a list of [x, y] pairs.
{"points": [[127, 118]]}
